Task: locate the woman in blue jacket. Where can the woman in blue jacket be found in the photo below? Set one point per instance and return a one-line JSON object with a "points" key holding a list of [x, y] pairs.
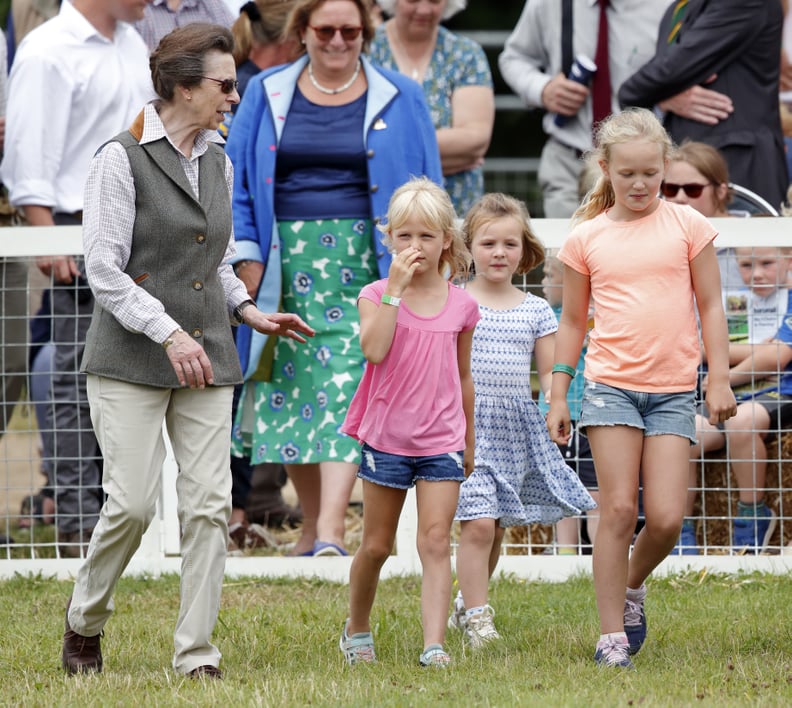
{"points": [[318, 146]]}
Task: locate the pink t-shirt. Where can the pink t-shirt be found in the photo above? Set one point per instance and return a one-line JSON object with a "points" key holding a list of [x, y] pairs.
{"points": [[411, 402], [645, 336]]}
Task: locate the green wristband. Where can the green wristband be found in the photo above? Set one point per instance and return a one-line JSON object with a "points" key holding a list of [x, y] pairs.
{"points": [[564, 369]]}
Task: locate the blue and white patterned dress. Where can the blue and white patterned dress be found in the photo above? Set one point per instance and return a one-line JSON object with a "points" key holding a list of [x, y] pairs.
{"points": [[520, 476]]}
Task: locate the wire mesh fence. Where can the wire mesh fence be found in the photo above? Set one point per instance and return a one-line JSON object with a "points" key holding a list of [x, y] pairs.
{"points": [[38, 443]]}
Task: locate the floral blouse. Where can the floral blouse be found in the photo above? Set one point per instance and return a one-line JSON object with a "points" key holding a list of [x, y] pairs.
{"points": [[456, 62]]}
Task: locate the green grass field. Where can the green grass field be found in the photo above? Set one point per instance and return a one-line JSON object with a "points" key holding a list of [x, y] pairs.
{"points": [[713, 640]]}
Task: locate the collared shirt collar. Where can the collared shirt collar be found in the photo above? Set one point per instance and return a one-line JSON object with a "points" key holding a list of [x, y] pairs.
{"points": [[154, 130], [79, 25]]}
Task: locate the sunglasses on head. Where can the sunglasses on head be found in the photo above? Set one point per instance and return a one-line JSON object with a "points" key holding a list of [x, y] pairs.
{"points": [[692, 190], [326, 32], [226, 85]]}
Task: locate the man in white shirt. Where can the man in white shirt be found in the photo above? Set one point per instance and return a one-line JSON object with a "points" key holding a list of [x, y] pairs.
{"points": [[77, 80]]}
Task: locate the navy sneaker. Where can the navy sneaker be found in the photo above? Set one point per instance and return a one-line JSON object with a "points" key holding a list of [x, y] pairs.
{"points": [[751, 533], [612, 653], [635, 621]]}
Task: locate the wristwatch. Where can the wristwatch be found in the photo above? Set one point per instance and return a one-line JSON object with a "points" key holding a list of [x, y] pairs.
{"points": [[238, 310]]}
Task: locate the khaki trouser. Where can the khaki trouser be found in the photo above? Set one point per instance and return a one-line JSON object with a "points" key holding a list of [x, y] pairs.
{"points": [[128, 420], [559, 176]]}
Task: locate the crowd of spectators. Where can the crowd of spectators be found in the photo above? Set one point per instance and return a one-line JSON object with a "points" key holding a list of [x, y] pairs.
{"points": [[76, 73]]}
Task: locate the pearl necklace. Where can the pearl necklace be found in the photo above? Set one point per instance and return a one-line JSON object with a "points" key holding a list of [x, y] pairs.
{"points": [[334, 91]]}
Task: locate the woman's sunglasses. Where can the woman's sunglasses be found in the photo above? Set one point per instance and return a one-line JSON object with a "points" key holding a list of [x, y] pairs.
{"points": [[226, 85], [326, 32], [692, 190]]}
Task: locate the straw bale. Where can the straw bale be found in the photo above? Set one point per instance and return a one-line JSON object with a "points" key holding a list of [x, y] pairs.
{"points": [[714, 507]]}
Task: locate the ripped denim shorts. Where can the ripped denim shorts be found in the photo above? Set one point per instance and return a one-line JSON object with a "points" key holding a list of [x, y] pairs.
{"points": [[654, 413], [401, 471]]}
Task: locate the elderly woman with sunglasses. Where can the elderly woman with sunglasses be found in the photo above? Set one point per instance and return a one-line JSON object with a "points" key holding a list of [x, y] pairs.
{"points": [[455, 76], [157, 231], [318, 147]]}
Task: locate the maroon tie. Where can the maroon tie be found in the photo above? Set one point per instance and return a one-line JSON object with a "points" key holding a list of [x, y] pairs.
{"points": [[601, 85]]}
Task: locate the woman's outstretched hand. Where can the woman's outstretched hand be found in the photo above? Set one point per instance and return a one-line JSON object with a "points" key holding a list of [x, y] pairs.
{"points": [[281, 324]]}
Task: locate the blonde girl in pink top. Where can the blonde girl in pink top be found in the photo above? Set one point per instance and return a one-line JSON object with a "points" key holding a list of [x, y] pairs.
{"points": [[413, 410], [641, 261]]}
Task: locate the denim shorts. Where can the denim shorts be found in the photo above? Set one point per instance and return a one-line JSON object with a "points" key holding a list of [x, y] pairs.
{"points": [[401, 472], [654, 413]]}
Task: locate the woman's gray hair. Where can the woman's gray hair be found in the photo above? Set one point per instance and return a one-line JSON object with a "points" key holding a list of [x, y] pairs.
{"points": [[452, 7]]}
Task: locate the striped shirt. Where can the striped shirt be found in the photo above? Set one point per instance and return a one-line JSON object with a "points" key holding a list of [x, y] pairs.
{"points": [[108, 222], [159, 19]]}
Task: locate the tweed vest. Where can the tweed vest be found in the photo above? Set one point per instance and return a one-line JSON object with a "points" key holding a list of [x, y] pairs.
{"points": [[178, 243]]}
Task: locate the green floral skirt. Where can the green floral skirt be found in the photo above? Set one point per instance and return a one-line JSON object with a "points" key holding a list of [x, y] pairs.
{"points": [[296, 416]]}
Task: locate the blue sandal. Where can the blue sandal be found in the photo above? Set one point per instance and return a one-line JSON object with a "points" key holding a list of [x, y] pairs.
{"points": [[434, 655], [326, 548]]}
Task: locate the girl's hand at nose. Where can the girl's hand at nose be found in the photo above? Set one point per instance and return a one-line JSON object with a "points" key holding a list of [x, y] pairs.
{"points": [[401, 270]]}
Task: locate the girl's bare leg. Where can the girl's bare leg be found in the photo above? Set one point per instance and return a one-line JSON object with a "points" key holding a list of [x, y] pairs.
{"points": [[437, 503], [381, 510], [664, 466], [617, 454], [474, 558]]}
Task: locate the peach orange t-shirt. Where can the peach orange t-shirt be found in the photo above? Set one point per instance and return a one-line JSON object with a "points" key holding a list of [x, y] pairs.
{"points": [[645, 336]]}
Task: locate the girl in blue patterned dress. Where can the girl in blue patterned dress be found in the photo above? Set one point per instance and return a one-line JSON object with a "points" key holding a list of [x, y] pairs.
{"points": [[520, 476]]}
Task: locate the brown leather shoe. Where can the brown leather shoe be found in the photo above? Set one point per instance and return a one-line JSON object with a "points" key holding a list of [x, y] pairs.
{"points": [[81, 655], [207, 671]]}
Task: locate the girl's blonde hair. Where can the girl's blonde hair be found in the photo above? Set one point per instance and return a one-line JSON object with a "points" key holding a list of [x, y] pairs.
{"points": [[420, 198], [497, 205], [631, 125]]}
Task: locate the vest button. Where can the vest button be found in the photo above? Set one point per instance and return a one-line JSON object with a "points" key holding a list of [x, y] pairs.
{"points": [[200, 238], [197, 285], [370, 154], [197, 332], [374, 188]]}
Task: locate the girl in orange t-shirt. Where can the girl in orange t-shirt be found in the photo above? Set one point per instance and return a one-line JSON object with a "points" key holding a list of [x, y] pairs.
{"points": [[641, 261]]}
